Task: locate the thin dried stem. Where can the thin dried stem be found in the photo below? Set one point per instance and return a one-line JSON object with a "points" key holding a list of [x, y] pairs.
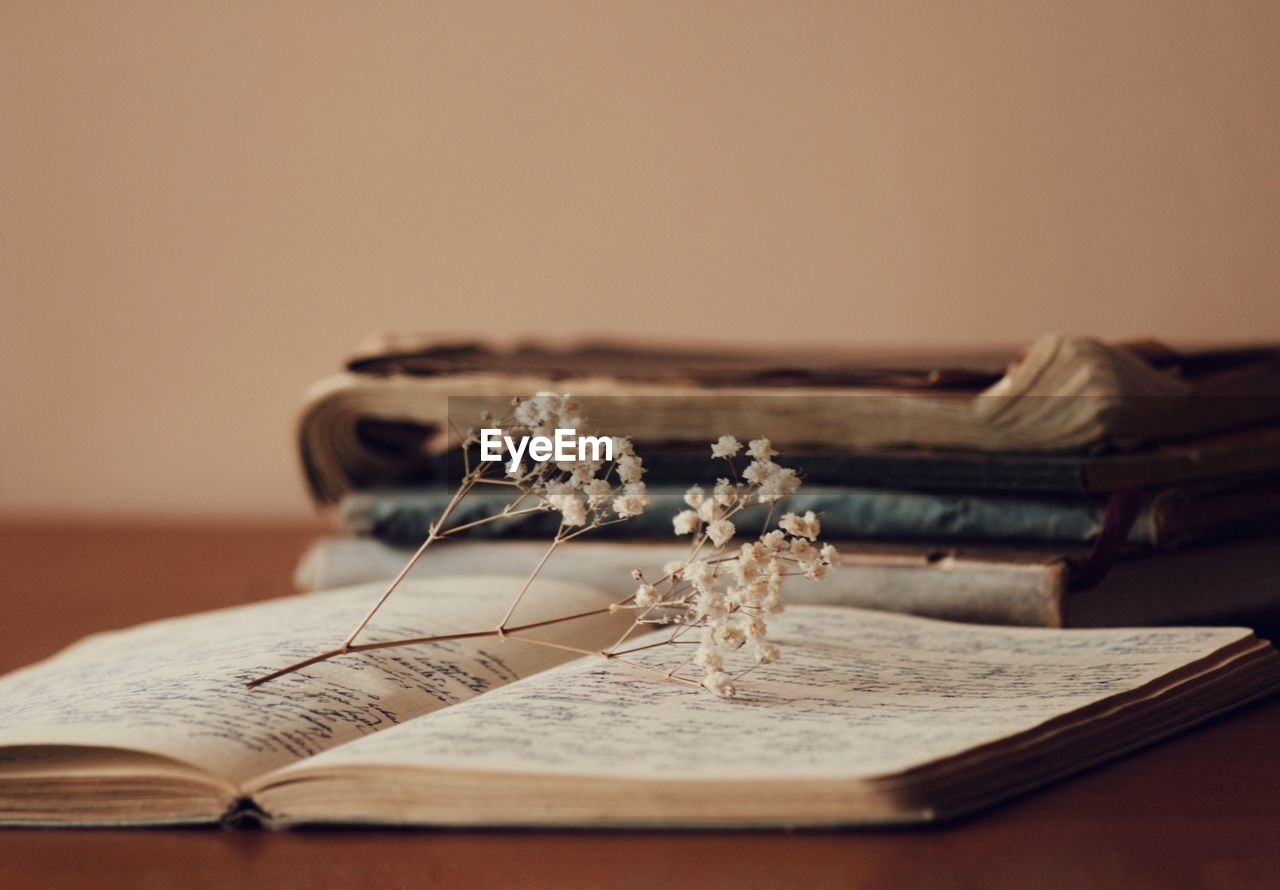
{"points": [[616, 652], [657, 673], [417, 641], [506, 514], [524, 588], [510, 635], [432, 537]]}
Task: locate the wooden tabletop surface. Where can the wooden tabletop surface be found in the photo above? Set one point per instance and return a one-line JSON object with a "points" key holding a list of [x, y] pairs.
{"points": [[1201, 810]]}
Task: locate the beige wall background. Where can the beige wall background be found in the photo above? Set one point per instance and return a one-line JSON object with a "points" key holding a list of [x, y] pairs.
{"points": [[205, 205]]}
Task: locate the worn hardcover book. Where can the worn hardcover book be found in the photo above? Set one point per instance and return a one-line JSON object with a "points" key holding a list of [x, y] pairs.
{"points": [[1228, 582], [870, 718], [1161, 520], [381, 422]]}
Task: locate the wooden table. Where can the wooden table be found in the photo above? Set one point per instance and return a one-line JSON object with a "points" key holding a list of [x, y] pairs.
{"points": [[1202, 810]]}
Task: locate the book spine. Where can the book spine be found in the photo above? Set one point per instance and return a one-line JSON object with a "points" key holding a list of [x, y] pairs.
{"points": [[403, 517], [936, 584]]}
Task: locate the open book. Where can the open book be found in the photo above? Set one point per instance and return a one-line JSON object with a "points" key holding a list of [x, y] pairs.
{"points": [[869, 718]]}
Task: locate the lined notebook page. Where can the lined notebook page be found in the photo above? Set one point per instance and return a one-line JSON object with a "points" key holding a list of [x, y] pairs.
{"points": [[176, 687], [857, 694]]}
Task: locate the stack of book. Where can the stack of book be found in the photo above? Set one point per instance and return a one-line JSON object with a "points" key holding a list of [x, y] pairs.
{"points": [[1077, 483]]}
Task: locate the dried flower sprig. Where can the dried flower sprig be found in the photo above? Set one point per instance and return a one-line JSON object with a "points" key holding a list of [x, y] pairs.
{"points": [[726, 595], [588, 494], [729, 594]]}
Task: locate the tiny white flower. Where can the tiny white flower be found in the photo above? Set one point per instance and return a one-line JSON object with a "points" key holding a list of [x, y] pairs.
{"points": [[527, 413], [647, 596], [630, 468], [745, 570], [707, 511], [760, 471], [695, 496], [805, 526], [573, 509], [701, 574], [729, 636], [685, 522], [726, 447], [830, 555], [712, 604], [767, 653], [755, 593], [708, 658], [632, 501], [580, 474], [719, 683], [761, 449], [597, 492], [802, 550], [720, 532], [779, 485]]}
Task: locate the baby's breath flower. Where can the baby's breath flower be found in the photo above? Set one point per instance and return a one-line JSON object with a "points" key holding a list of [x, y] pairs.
{"points": [[527, 412], [768, 653], [707, 511], [573, 508], [719, 683], [759, 471], [746, 571], [802, 550], [755, 593], [647, 596], [580, 474], [709, 658], [779, 485], [729, 636], [701, 574], [597, 492], [729, 596], [632, 501], [630, 468], [720, 532], [805, 526], [726, 447], [685, 522], [712, 604]]}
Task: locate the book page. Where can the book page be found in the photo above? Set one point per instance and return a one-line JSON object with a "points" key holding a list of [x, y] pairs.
{"points": [[857, 694], [176, 687]]}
